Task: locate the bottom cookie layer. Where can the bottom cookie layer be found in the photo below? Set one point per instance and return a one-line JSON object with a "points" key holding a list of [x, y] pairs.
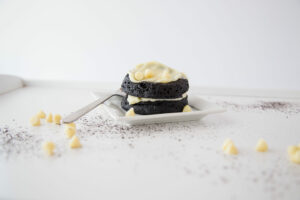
{"points": [[157, 107]]}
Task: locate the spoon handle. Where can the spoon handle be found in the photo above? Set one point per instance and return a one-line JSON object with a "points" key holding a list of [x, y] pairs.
{"points": [[82, 111]]}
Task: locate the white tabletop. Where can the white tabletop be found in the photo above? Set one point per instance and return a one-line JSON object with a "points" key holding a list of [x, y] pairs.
{"points": [[160, 161]]}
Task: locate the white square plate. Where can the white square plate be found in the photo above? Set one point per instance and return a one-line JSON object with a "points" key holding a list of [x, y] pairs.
{"points": [[200, 109]]}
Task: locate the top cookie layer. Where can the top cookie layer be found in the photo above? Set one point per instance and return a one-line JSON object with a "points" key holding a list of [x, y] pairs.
{"points": [[145, 89]]}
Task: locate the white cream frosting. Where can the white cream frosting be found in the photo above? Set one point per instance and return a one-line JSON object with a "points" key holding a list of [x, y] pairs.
{"points": [[154, 72], [133, 100]]}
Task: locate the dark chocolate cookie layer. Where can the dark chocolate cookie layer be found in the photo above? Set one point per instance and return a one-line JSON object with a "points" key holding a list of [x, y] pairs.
{"points": [[157, 107], [145, 89]]}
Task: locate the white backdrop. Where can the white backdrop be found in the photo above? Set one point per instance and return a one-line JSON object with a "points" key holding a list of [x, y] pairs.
{"points": [[253, 43]]}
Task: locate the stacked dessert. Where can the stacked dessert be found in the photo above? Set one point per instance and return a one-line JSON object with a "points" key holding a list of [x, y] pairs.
{"points": [[153, 88]]}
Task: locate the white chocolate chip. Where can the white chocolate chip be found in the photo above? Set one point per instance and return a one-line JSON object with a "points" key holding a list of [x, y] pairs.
{"points": [[166, 74], [295, 158], [261, 146], [226, 143], [57, 119], [50, 118], [187, 108], [149, 73], [130, 113], [35, 121], [139, 75], [49, 147], [292, 149], [294, 154], [73, 125], [231, 149], [41, 115], [74, 142], [70, 131]]}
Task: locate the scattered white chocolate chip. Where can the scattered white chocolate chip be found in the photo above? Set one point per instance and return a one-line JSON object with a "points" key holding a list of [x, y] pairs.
{"points": [[295, 157], [57, 119], [74, 142], [226, 143], [149, 73], [35, 121], [294, 154], [187, 108], [50, 118], [261, 146], [41, 114], [229, 147], [49, 147], [73, 125], [130, 113], [292, 149], [70, 131], [138, 75]]}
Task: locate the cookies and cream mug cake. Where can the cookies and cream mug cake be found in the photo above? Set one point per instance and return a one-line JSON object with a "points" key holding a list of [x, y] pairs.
{"points": [[154, 88]]}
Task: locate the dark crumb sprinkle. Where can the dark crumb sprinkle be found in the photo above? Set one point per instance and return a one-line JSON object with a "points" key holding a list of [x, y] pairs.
{"points": [[224, 180], [277, 106], [131, 145], [255, 180], [96, 125], [14, 141], [187, 170]]}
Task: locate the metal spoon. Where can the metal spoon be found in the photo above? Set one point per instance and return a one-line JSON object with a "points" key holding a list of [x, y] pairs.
{"points": [[79, 113]]}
